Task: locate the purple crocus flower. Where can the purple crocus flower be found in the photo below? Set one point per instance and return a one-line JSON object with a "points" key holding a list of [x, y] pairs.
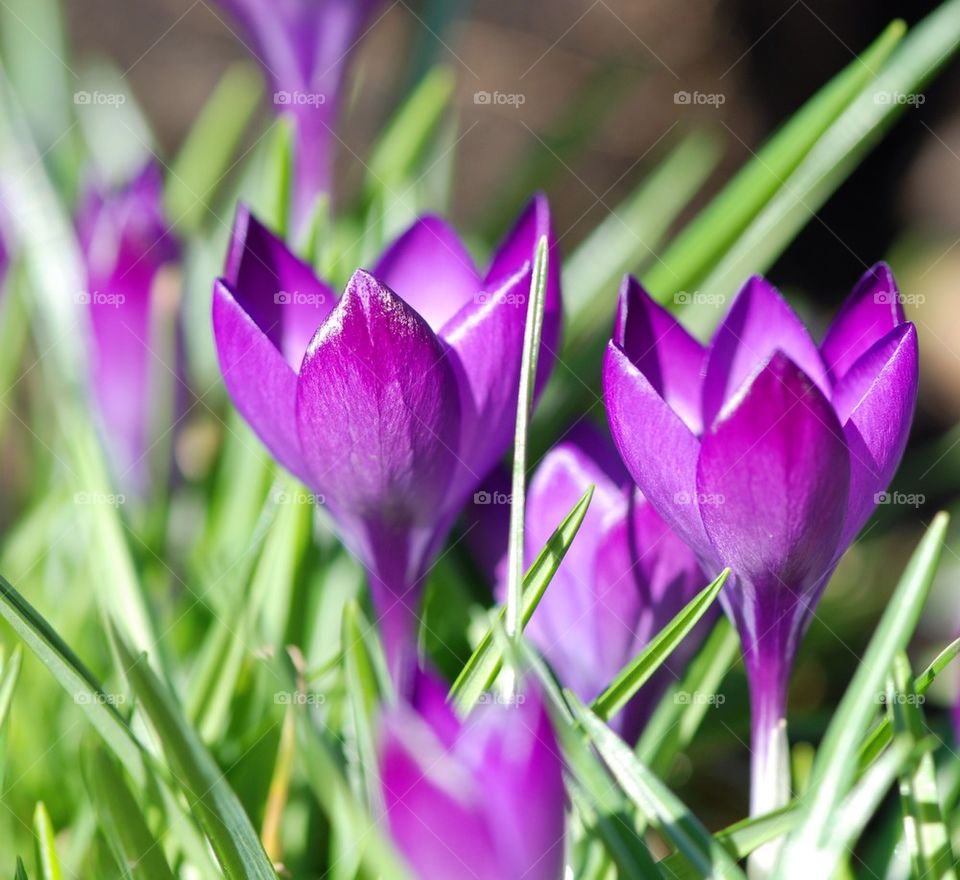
{"points": [[126, 241], [394, 401], [305, 46], [625, 576], [481, 799], [765, 453]]}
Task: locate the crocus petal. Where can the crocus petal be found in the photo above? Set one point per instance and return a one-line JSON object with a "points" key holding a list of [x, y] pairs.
{"points": [[377, 409], [759, 322], [429, 268], [871, 311], [278, 291], [519, 247], [262, 385], [660, 348], [772, 481], [657, 447], [875, 402]]}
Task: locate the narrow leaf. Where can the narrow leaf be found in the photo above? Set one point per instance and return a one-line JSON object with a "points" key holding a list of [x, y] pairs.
{"points": [[660, 647], [47, 857]]}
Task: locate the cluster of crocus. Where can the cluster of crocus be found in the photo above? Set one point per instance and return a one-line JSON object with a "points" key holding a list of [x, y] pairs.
{"points": [[393, 401], [126, 241], [624, 577], [481, 798], [765, 453], [305, 46]]}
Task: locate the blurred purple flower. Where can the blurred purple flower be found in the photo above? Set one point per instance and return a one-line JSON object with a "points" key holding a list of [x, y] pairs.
{"points": [[396, 400], [304, 46], [125, 240], [481, 799], [765, 453], [624, 578]]}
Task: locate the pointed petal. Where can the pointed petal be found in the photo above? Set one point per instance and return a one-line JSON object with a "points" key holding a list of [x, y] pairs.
{"points": [[429, 268], [661, 349], [278, 291], [871, 311], [261, 383], [759, 322], [772, 480], [377, 410], [875, 402], [657, 447]]}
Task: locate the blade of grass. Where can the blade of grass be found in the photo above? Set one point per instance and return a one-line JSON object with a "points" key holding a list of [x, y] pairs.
{"points": [[21, 871], [655, 801], [47, 857], [926, 834], [648, 661], [217, 808], [715, 229], [835, 765], [518, 499], [121, 821], [481, 670]]}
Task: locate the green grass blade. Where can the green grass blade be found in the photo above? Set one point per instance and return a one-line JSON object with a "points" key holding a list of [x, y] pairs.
{"points": [[926, 834], [835, 765], [205, 156], [528, 373], [123, 825], [47, 857], [484, 664], [689, 259], [675, 722], [661, 646], [21, 873], [926, 48], [217, 808], [662, 809]]}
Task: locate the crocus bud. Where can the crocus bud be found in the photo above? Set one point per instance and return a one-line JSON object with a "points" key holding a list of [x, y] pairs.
{"points": [[304, 47], [126, 241], [393, 401], [481, 799], [624, 577], [766, 453]]}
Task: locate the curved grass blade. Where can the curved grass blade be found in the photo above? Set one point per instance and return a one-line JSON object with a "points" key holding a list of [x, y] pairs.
{"points": [[217, 808], [480, 671], [661, 646], [836, 765], [655, 801], [134, 847], [718, 227], [674, 723], [47, 857], [837, 153]]}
